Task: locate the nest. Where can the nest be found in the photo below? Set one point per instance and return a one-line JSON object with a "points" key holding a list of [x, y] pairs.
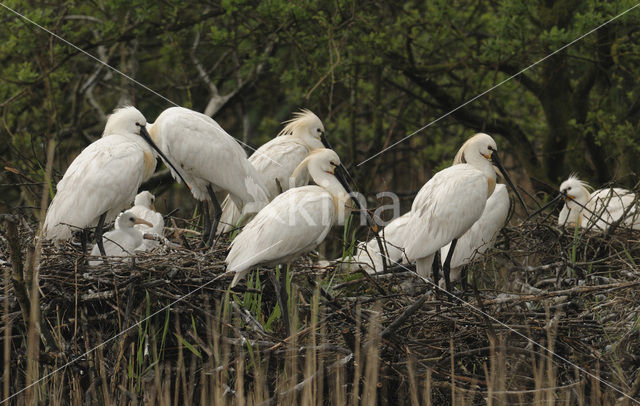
{"points": [[543, 295]]}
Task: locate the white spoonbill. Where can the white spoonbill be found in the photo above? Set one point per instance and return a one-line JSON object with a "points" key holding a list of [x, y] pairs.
{"points": [[476, 241], [295, 222], [144, 208], [104, 178], [122, 241], [210, 160], [451, 202], [481, 236], [277, 159], [598, 209]]}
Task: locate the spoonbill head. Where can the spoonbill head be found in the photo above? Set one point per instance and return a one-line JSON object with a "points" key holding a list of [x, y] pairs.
{"points": [[306, 126], [145, 199], [484, 146], [143, 208], [575, 190]]}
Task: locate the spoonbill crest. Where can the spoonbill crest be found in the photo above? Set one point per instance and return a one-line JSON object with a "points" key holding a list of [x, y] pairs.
{"points": [[210, 160], [598, 209], [277, 159], [104, 178], [451, 202], [124, 239]]}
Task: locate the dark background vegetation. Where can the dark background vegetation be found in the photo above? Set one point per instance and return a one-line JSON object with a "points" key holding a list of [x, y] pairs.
{"points": [[374, 72]]}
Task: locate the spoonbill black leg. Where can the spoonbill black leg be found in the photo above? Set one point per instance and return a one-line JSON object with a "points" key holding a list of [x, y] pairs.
{"points": [[99, 233], [447, 265], [217, 212], [207, 223], [435, 269], [463, 278]]}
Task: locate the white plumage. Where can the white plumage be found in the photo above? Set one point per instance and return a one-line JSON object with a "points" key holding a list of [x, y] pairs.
{"points": [[368, 255], [207, 155], [451, 202], [603, 206], [104, 178], [277, 159], [144, 209], [294, 222], [482, 235], [209, 160], [123, 240]]}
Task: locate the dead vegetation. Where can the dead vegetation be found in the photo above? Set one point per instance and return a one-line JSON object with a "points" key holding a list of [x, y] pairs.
{"points": [[551, 317]]}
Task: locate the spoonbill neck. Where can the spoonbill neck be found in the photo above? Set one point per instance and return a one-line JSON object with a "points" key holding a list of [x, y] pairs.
{"points": [[327, 181]]}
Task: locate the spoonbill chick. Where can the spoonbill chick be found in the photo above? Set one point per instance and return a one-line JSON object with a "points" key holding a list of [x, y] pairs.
{"points": [[210, 160], [451, 202], [481, 236], [368, 255], [143, 208], [598, 209], [277, 159], [122, 241], [104, 178]]}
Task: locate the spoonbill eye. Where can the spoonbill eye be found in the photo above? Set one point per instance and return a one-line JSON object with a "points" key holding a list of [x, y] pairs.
{"points": [[491, 148], [319, 131]]}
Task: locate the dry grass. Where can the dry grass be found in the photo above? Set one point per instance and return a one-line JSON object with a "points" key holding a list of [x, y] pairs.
{"points": [[356, 340]]}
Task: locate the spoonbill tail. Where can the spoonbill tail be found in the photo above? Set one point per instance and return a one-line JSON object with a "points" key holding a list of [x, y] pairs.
{"points": [[104, 178], [210, 160], [277, 159]]}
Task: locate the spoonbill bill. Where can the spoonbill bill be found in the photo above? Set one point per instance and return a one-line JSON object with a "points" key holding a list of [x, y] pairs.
{"points": [[143, 208], [481, 236], [124, 239], [210, 160], [277, 159], [598, 209], [104, 178], [451, 202]]}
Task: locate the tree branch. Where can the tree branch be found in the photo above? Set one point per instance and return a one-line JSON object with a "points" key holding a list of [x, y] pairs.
{"points": [[504, 127]]}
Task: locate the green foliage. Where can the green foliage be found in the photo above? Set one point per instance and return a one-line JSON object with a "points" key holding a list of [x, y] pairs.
{"points": [[373, 71]]}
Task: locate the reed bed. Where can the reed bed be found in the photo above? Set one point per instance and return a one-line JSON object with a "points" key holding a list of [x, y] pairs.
{"points": [[164, 328]]}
